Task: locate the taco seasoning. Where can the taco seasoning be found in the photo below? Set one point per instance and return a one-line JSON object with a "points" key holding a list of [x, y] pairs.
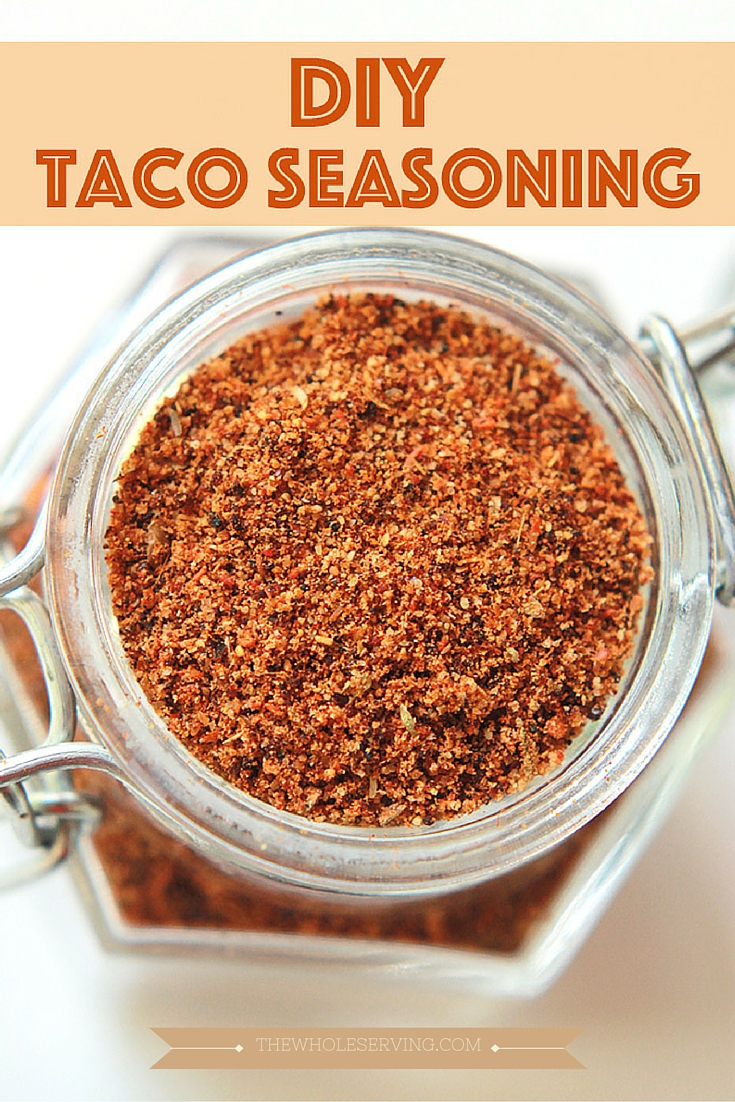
{"points": [[376, 566], [159, 882]]}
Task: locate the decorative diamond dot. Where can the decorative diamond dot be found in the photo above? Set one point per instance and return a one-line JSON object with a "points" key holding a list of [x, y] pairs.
{"points": [[238, 1048], [495, 1048]]}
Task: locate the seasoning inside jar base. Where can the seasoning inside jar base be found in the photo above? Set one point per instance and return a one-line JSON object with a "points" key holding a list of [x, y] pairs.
{"points": [[376, 566]]}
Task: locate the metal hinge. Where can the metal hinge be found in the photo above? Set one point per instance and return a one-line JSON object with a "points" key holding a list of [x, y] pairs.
{"points": [[680, 357]]}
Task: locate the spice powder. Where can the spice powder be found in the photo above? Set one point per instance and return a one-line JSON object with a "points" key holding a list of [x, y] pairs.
{"points": [[376, 566], [158, 881]]}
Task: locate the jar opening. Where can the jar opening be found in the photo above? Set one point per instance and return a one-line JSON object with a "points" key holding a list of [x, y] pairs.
{"points": [[612, 382]]}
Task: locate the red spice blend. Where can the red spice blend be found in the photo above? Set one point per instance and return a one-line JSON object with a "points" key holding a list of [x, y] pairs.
{"points": [[376, 566]]}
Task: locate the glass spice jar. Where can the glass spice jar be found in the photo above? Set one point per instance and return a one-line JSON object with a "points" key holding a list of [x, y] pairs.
{"points": [[499, 899]]}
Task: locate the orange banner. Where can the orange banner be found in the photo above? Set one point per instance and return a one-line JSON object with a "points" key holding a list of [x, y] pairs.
{"points": [[367, 1048], [301, 134]]}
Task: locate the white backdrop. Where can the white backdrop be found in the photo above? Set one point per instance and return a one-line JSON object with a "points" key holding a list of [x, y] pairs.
{"points": [[654, 988]]}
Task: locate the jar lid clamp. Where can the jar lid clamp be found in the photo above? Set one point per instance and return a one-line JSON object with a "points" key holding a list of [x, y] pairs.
{"points": [[669, 352]]}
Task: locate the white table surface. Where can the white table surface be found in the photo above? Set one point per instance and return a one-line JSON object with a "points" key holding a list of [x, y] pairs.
{"points": [[653, 989]]}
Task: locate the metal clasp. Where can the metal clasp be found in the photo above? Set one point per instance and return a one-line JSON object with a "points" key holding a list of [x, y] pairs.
{"points": [[679, 358], [47, 814]]}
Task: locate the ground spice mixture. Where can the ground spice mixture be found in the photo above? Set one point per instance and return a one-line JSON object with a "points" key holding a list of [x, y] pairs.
{"points": [[158, 881], [376, 566]]}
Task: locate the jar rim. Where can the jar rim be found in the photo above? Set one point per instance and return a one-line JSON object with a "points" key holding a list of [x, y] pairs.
{"points": [[238, 829]]}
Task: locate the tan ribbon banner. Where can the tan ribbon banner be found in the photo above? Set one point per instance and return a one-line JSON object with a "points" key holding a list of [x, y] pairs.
{"points": [[367, 1048], [284, 134]]}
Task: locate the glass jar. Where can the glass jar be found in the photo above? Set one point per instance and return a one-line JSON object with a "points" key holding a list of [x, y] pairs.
{"points": [[362, 889]]}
